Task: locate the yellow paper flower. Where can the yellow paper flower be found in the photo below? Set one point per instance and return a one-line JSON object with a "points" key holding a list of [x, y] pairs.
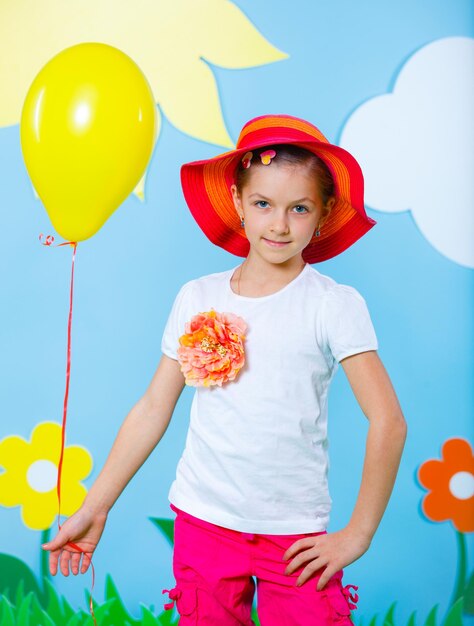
{"points": [[30, 476]]}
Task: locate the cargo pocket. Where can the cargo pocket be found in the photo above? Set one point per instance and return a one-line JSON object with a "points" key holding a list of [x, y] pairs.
{"points": [[186, 601], [341, 601]]}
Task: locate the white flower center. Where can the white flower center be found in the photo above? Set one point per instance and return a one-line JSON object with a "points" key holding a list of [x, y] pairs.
{"points": [[42, 476], [461, 485]]}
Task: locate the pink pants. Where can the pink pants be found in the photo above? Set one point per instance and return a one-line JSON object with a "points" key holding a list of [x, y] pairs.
{"points": [[213, 567]]}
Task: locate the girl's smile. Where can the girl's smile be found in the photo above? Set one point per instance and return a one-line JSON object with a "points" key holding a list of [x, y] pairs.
{"points": [[276, 244], [281, 206]]}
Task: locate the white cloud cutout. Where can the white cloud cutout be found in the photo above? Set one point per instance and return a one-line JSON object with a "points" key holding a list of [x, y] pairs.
{"points": [[416, 146]]}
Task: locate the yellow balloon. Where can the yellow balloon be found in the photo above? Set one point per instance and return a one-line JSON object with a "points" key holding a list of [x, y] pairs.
{"points": [[88, 129]]}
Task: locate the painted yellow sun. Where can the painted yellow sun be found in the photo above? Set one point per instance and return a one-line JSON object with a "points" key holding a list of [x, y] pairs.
{"points": [[175, 43], [29, 470]]}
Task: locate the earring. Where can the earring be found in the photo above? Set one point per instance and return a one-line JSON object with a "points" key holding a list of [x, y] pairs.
{"points": [[242, 222], [317, 233]]}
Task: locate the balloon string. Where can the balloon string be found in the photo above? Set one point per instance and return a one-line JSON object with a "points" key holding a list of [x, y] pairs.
{"points": [[68, 374], [48, 242]]}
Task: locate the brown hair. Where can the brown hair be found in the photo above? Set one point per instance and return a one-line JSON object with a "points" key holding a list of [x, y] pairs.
{"points": [[291, 155]]}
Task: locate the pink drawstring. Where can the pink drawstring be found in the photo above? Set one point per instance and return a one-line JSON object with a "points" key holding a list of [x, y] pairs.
{"points": [[173, 594], [351, 599]]}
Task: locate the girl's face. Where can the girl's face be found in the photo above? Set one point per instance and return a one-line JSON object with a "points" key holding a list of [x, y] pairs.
{"points": [[281, 206]]}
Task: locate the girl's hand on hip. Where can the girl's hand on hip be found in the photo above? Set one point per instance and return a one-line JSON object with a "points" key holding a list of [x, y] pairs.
{"points": [[84, 529], [334, 551]]}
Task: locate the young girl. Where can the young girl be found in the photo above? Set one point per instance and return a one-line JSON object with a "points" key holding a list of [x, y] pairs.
{"points": [[261, 343]]}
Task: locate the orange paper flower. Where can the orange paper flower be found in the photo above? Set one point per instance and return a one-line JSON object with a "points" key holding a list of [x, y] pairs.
{"points": [[211, 352], [451, 485]]}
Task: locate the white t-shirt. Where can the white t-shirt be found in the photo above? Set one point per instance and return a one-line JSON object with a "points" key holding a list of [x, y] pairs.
{"points": [[256, 453]]}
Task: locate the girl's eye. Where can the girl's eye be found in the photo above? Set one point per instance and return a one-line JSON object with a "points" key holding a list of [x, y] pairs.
{"points": [[260, 202], [300, 206]]}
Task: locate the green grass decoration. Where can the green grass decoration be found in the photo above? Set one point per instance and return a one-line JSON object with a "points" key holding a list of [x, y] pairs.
{"points": [[7, 612], [148, 619], [389, 619], [118, 613], [20, 594], [411, 619], [166, 526], [38, 616], [103, 614], [23, 612], [76, 620], [53, 607], [373, 621], [454, 616], [24, 602], [29, 610], [431, 619], [14, 571]]}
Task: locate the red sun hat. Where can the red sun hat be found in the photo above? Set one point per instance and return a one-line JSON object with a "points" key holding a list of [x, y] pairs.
{"points": [[206, 187]]}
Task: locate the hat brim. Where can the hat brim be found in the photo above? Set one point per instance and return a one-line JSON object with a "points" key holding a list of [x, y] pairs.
{"points": [[206, 186]]}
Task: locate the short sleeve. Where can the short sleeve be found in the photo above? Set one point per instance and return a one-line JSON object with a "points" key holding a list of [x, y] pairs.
{"points": [[175, 324], [347, 323]]}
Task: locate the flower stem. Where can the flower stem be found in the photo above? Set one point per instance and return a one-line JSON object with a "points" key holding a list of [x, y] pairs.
{"points": [[45, 534], [462, 568]]}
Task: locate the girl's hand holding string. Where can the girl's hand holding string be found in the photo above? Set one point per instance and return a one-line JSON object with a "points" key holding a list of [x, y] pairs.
{"points": [[140, 432], [334, 551], [84, 529]]}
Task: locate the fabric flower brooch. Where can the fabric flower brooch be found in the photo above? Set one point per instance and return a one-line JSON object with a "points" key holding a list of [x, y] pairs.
{"points": [[211, 351]]}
